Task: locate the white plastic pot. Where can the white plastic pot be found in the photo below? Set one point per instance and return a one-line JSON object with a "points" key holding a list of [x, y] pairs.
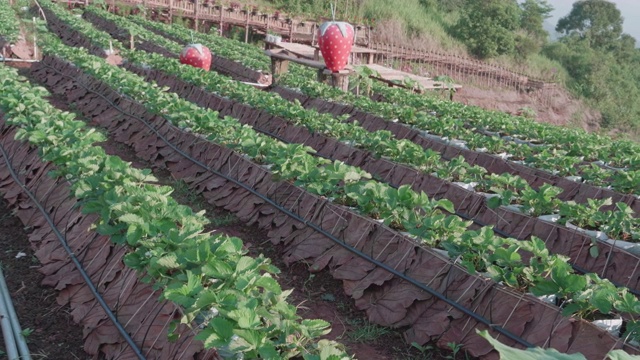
{"points": [[487, 195], [633, 248], [593, 233], [612, 326], [550, 217], [458, 143], [574, 178], [514, 208], [467, 186], [432, 137], [549, 299], [444, 253]]}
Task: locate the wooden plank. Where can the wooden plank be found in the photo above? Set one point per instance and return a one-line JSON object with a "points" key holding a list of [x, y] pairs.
{"points": [[300, 50], [389, 75], [283, 55]]}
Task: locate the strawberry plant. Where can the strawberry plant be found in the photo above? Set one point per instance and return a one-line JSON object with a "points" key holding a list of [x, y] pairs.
{"points": [[479, 250], [538, 353], [238, 305], [426, 161], [579, 142], [541, 202], [626, 181], [9, 24], [620, 224]]}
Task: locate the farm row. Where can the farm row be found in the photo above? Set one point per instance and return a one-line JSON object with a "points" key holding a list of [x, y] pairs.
{"points": [[505, 189], [568, 152], [276, 142], [353, 187]]}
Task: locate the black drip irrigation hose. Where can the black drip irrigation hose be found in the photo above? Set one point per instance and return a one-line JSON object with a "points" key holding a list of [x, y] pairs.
{"points": [[574, 266], [328, 235], [75, 260], [457, 213], [475, 221]]}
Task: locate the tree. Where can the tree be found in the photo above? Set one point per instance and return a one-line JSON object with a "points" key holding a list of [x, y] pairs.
{"points": [[532, 35], [534, 13], [625, 49], [597, 21], [488, 27]]}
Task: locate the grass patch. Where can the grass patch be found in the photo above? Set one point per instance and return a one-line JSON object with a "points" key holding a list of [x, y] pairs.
{"points": [[224, 220], [365, 332]]}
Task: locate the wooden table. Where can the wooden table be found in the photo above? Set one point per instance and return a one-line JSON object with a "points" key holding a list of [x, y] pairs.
{"points": [[280, 64]]}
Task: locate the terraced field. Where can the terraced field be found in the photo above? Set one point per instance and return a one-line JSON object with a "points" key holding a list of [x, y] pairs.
{"points": [[436, 218]]}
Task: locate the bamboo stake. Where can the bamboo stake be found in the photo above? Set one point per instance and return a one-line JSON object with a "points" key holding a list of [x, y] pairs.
{"points": [[35, 40]]}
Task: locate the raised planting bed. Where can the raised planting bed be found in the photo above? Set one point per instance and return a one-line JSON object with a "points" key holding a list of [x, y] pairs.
{"points": [[612, 262], [135, 303], [306, 223], [164, 242], [125, 36], [573, 191]]}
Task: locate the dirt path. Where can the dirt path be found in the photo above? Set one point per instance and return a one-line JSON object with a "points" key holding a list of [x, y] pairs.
{"points": [[53, 334]]}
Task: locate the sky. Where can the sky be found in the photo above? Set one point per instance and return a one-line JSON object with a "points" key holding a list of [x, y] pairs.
{"points": [[630, 10]]}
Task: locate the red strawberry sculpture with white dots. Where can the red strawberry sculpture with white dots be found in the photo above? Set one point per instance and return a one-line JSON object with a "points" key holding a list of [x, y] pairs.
{"points": [[335, 39], [196, 55]]}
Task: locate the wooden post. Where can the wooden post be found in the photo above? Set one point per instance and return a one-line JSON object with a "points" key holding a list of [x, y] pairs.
{"points": [[355, 35], [246, 29], [195, 15], [338, 79], [221, 15], [35, 40], [313, 36], [278, 67], [291, 31], [322, 77], [266, 28]]}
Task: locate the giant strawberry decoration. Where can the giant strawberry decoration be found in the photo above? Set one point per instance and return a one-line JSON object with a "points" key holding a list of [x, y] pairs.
{"points": [[196, 55], [335, 39]]}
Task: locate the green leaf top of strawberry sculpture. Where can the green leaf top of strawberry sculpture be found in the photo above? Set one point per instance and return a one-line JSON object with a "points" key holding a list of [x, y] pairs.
{"points": [[335, 40], [196, 55]]}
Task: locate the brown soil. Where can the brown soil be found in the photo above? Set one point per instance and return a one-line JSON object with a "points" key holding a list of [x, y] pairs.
{"points": [[555, 106], [317, 296], [54, 335]]}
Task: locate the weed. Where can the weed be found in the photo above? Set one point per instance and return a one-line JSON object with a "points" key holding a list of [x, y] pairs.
{"points": [[364, 331], [181, 189], [307, 281], [223, 220], [26, 332], [455, 350]]}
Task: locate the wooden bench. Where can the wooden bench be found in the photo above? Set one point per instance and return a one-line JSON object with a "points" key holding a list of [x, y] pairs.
{"points": [[280, 65]]}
